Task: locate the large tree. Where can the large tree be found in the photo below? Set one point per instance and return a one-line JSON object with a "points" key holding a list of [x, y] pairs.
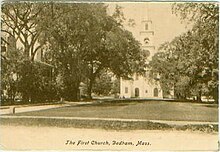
{"points": [[85, 40], [194, 54], [205, 17], [20, 20], [22, 35]]}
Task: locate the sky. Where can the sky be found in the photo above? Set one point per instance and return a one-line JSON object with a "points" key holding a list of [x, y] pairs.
{"points": [[166, 25]]}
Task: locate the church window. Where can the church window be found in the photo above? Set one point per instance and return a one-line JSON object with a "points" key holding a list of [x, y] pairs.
{"points": [[146, 91], [126, 89], [146, 26]]}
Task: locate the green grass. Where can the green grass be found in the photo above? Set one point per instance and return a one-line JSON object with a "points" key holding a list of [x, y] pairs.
{"points": [[148, 110], [107, 125]]}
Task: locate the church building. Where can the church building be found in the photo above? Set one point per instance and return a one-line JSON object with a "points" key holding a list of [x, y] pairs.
{"points": [[143, 86]]}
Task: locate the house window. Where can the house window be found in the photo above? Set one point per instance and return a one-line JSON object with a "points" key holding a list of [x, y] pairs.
{"points": [[146, 26], [146, 91], [126, 89], [3, 48]]}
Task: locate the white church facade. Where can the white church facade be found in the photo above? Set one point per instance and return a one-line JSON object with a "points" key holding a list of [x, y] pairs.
{"points": [[143, 86]]}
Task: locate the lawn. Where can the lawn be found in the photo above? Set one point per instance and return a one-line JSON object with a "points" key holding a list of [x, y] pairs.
{"points": [[148, 110]]}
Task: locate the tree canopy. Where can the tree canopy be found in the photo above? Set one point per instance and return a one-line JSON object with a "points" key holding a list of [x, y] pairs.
{"points": [[79, 41], [86, 40], [190, 61]]}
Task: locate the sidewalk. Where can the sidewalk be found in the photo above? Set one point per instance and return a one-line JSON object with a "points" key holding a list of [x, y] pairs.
{"points": [[28, 108]]}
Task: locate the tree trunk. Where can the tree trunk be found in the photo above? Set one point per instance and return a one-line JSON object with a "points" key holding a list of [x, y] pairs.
{"points": [[199, 96], [75, 94], [89, 89], [25, 98], [11, 97], [27, 50], [215, 95]]}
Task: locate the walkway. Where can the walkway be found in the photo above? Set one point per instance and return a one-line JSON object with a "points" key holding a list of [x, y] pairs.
{"points": [[29, 108]]}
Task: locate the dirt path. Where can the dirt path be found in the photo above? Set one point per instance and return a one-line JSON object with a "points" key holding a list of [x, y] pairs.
{"points": [[38, 138]]}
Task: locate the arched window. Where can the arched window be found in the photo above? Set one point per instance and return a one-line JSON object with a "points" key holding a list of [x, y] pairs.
{"points": [[136, 92], [155, 92]]}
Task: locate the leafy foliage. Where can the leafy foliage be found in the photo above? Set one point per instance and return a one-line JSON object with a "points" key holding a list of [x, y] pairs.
{"points": [[79, 40], [190, 61], [9, 82], [85, 40], [103, 84]]}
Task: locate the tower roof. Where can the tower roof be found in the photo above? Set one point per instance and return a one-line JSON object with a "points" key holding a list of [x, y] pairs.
{"points": [[145, 13]]}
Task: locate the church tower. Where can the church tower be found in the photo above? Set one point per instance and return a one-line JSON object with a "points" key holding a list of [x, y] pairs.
{"points": [[147, 37], [143, 86], [147, 32]]}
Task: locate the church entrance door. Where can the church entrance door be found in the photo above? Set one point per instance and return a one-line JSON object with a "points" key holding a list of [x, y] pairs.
{"points": [[136, 92], [155, 92]]}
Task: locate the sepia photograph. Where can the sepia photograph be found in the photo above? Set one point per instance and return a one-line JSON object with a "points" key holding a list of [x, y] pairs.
{"points": [[109, 76]]}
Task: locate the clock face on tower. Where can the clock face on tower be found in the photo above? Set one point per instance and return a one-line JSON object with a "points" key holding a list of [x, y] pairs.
{"points": [[146, 53]]}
